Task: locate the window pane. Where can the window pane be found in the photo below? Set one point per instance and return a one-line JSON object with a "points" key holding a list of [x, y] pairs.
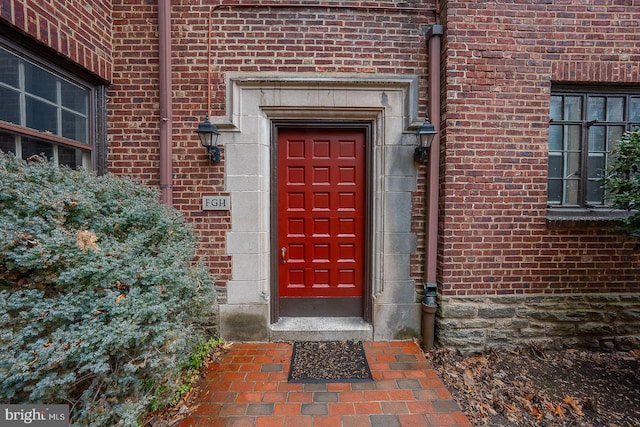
{"points": [[595, 166], [7, 143], [74, 127], [596, 138], [555, 166], [555, 112], [42, 116], [9, 105], [573, 165], [555, 138], [71, 157], [74, 97], [572, 108], [40, 82], [8, 68], [615, 109], [554, 192], [595, 108], [32, 147], [571, 192], [573, 137], [595, 193], [615, 133], [634, 110]]}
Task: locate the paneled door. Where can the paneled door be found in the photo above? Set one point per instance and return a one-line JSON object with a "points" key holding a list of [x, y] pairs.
{"points": [[321, 221]]}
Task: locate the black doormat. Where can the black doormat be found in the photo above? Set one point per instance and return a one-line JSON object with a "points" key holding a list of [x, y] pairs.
{"points": [[329, 362]]}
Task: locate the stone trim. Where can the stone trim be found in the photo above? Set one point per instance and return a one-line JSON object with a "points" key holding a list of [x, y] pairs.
{"points": [[254, 103], [594, 321]]}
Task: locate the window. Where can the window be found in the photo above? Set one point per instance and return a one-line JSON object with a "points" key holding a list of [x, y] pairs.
{"points": [[44, 111], [583, 130]]}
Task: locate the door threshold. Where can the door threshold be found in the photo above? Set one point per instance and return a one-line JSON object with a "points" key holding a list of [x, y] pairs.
{"points": [[321, 329]]}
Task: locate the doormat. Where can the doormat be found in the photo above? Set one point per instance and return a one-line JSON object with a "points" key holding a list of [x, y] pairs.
{"points": [[329, 362]]}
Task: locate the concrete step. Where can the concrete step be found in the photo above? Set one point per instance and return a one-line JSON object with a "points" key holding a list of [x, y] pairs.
{"points": [[321, 329]]}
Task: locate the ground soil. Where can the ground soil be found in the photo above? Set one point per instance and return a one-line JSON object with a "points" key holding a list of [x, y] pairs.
{"points": [[532, 387]]}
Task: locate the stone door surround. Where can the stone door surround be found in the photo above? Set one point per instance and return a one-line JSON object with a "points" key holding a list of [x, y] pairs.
{"points": [[254, 103]]}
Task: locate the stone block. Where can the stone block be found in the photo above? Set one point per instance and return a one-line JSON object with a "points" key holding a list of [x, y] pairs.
{"points": [[627, 343], [514, 323], [477, 324], [248, 322], [399, 243], [241, 292], [400, 183], [560, 329], [464, 344], [397, 212], [562, 315], [398, 292], [396, 267], [533, 332], [589, 328], [627, 328], [493, 312], [462, 334], [591, 343], [499, 335], [458, 311], [629, 315], [446, 324], [397, 321]]}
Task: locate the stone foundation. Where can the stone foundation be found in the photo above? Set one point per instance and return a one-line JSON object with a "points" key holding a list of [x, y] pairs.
{"points": [[593, 321]]}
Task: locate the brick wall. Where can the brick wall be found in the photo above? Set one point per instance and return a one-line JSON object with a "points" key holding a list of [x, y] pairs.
{"points": [[502, 58], [265, 40], [80, 31]]}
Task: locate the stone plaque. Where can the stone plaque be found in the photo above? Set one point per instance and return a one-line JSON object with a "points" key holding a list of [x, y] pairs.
{"points": [[216, 203]]}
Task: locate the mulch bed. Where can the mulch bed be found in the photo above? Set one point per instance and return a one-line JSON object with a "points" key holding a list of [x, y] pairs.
{"points": [[329, 361], [532, 387]]}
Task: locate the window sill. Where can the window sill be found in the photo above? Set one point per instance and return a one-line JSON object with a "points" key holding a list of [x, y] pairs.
{"points": [[584, 218]]}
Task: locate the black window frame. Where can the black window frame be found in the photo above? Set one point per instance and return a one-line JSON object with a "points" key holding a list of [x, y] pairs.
{"points": [[583, 210], [28, 50]]}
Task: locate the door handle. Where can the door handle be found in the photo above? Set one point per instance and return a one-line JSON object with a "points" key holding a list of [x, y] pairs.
{"points": [[283, 252]]}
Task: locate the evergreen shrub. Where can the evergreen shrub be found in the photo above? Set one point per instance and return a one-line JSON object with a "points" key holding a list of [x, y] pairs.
{"points": [[622, 182], [99, 298]]}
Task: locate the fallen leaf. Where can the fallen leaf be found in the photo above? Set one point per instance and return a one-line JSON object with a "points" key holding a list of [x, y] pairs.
{"points": [[577, 408], [120, 297], [467, 377], [509, 407], [536, 413]]}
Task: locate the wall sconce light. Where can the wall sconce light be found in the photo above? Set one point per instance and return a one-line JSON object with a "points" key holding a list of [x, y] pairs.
{"points": [[208, 134], [425, 134]]}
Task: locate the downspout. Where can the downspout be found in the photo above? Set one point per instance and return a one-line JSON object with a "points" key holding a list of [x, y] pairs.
{"points": [[166, 107], [429, 306]]}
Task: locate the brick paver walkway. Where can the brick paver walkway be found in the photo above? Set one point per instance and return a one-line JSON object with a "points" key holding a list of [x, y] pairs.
{"points": [[249, 388]]}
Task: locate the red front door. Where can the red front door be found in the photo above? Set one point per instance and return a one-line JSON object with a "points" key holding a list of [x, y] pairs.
{"points": [[321, 202]]}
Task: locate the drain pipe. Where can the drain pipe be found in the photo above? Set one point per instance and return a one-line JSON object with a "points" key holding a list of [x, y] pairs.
{"points": [[166, 106], [429, 305]]}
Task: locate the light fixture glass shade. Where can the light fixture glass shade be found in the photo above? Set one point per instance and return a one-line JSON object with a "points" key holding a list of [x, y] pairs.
{"points": [[425, 133], [208, 134]]}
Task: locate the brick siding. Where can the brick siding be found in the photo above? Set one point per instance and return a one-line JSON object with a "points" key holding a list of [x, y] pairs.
{"points": [[261, 40], [502, 58], [80, 31]]}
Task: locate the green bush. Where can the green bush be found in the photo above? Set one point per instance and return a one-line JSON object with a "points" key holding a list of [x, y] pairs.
{"points": [[622, 182], [99, 300]]}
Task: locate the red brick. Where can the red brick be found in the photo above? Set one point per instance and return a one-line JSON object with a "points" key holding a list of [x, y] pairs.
{"points": [[287, 409]]}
